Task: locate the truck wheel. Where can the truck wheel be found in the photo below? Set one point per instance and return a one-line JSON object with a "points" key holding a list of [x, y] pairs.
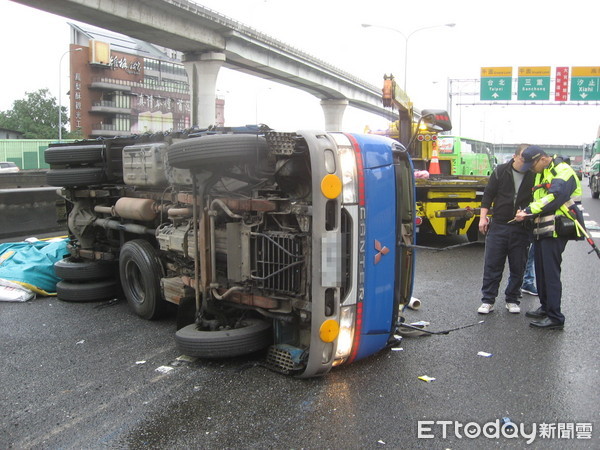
{"points": [[215, 149], [83, 176], [595, 188], [141, 271], [473, 234], [71, 269], [92, 291], [74, 155], [253, 335]]}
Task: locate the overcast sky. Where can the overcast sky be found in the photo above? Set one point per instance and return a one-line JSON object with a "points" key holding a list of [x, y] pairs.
{"points": [[487, 34]]}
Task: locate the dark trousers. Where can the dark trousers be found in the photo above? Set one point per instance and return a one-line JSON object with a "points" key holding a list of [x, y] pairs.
{"points": [[504, 241], [548, 257]]}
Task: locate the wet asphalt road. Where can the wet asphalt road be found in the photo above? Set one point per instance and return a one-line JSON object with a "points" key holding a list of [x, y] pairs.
{"points": [[85, 375]]}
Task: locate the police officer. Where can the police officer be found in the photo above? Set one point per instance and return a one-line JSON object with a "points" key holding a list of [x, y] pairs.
{"points": [[556, 188]]}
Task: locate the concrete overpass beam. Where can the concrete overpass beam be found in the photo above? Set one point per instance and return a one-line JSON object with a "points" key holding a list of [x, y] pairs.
{"points": [[202, 73], [334, 113]]}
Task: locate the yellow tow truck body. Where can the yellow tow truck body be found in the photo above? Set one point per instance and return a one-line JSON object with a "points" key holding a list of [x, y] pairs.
{"points": [[446, 204]]}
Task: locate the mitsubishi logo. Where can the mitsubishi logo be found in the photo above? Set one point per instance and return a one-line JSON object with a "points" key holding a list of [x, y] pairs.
{"points": [[381, 250]]}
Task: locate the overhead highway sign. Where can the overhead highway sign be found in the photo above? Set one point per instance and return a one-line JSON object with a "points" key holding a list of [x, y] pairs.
{"points": [[496, 83]]}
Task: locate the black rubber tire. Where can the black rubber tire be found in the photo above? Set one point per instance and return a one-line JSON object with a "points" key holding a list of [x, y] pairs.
{"points": [[594, 187], [90, 291], [140, 270], [216, 149], [74, 155], [84, 176], [71, 269], [473, 234], [254, 336]]}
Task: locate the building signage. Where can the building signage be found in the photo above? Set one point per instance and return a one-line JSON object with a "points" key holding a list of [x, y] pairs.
{"points": [[496, 83], [534, 83], [77, 104], [99, 52], [584, 83], [134, 67], [561, 85]]}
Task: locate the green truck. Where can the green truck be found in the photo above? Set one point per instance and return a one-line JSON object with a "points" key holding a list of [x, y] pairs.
{"points": [[594, 170]]}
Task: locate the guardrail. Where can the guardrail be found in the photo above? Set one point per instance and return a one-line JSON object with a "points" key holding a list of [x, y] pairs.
{"points": [[27, 205], [23, 179]]}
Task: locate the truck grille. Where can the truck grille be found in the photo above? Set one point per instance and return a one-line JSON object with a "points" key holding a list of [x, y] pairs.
{"points": [[281, 143], [277, 262], [284, 358]]}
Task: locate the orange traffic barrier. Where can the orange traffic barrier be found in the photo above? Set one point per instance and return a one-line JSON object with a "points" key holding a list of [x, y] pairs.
{"points": [[434, 165]]}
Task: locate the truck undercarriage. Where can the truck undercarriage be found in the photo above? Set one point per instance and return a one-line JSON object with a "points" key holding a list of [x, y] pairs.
{"points": [[220, 223]]}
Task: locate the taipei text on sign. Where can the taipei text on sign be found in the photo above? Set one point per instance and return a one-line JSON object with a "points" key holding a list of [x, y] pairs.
{"points": [[496, 83]]}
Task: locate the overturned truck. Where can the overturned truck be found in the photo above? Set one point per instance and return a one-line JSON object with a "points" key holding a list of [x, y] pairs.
{"points": [[295, 244]]}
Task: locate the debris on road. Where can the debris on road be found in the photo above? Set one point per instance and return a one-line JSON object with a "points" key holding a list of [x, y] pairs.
{"points": [[164, 369], [426, 378], [14, 292], [414, 303]]}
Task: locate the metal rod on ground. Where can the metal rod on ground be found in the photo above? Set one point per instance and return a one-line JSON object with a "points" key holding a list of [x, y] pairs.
{"points": [[412, 327], [440, 249]]}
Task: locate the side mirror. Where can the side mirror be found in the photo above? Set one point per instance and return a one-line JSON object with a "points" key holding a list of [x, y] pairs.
{"points": [[436, 120]]}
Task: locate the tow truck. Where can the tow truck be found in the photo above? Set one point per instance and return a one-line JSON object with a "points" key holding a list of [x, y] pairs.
{"points": [[446, 204]]}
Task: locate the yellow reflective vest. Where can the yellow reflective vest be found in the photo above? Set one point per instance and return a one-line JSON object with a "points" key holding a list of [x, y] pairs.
{"points": [[554, 187]]}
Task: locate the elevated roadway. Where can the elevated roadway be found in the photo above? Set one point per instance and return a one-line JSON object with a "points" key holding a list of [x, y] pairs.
{"points": [[210, 40]]}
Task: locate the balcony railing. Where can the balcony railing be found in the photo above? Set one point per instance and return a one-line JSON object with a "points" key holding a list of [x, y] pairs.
{"points": [[164, 86], [110, 107], [106, 103]]}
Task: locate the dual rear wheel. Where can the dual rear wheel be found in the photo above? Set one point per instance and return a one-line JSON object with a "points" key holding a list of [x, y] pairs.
{"points": [[85, 281]]}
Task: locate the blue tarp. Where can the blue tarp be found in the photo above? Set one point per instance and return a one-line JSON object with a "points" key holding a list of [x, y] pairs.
{"points": [[32, 264]]}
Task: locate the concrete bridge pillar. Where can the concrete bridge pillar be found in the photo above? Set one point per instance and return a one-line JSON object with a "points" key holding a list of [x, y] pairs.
{"points": [[202, 73], [334, 113]]}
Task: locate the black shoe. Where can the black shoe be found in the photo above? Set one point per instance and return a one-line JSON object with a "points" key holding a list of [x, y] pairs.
{"points": [[537, 313], [547, 324]]}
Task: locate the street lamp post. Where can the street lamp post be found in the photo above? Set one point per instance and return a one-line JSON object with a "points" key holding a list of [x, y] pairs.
{"points": [[59, 93], [258, 92], [406, 39]]}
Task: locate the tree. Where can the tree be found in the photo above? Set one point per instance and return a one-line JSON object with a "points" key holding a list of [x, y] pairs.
{"points": [[35, 116]]}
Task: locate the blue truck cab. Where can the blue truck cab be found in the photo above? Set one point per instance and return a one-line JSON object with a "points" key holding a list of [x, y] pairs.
{"points": [[297, 245]]}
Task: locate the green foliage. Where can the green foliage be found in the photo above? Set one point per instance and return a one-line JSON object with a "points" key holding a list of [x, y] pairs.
{"points": [[75, 134], [36, 116]]}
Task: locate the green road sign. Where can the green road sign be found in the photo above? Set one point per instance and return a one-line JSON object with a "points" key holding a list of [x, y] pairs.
{"points": [[534, 83], [496, 83], [585, 83]]}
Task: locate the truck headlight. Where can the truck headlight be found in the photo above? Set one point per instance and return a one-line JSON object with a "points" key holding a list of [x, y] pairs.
{"points": [[346, 334], [349, 175]]}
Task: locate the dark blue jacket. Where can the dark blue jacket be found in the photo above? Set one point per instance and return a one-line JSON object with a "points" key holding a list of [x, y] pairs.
{"points": [[499, 193]]}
